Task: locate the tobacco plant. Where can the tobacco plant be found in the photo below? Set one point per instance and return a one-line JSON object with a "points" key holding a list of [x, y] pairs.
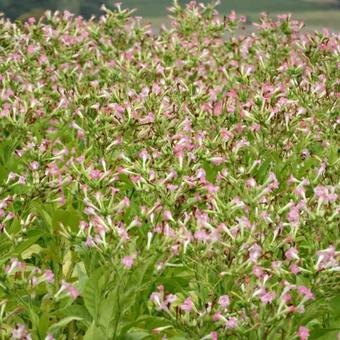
{"points": [[174, 185]]}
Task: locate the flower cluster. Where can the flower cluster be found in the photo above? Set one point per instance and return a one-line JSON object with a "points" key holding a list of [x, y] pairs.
{"points": [[183, 184]]}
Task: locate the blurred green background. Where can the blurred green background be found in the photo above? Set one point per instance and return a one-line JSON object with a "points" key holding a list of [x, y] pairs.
{"points": [[316, 13]]}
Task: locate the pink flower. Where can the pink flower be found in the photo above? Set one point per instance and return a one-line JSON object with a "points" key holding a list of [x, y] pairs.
{"points": [[258, 271], [267, 297], [226, 135], [127, 261], [217, 316], [172, 187], [282, 16], [303, 333], [306, 292], [34, 281], [187, 305], [83, 225], [10, 216], [167, 215], [323, 194], [200, 174], [95, 174], [232, 16], [31, 49], [212, 189], [171, 298], [144, 155], [68, 15], [326, 258], [213, 335], [201, 235], [294, 268], [244, 222], [286, 297], [20, 332], [49, 276], [34, 165], [250, 183], [89, 211], [125, 202], [217, 160], [224, 301], [292, 253], [294, 215], [254, 252], [43, 59], [73, 291], [156, 298], [89, 241], [231, 323], [31, 20], [218, 109]]}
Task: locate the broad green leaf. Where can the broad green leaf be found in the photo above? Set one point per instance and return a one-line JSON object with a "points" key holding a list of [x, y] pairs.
{"points": [[65, 322], [334, 305], [30, 240], [147, 322], [33, 249], [78, 311], [43, 325], [324, 334], [92, 294], [138, 335], [107, 310], [14, 227], [67, 262], [69, 218], [94, 333]]}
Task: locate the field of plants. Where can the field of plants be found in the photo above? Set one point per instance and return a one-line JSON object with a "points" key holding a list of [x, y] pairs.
{"points": [[179, 185]]}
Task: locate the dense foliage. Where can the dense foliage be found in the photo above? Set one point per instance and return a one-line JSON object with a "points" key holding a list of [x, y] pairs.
{"points": [[183, 185]]}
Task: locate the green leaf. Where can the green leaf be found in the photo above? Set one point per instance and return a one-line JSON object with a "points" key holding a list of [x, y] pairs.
{"points": [[93, 333], [31, 238], [138, 335], [334, 305], [69, 217], [78, 311], [46, 217], [147, 322], [15, 227], [107, 310], [65, 322], [43, 325], [92, 294], [6, 150], [34, 249], [324, 334], [34, 318], [211, 171], [262, 171]]}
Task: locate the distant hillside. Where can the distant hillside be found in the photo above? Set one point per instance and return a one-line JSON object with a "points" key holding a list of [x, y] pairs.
{"points": [[318, 12]]}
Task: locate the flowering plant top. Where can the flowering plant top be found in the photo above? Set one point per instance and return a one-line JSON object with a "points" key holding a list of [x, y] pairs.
{"points": [[179, 185]]}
